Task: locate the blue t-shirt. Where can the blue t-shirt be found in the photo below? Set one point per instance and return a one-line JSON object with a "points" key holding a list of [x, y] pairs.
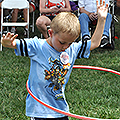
{"points": [[49, 73]]}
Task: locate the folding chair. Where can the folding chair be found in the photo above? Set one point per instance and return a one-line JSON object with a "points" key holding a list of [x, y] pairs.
{"points": [[14, 4], [33, 21], [33, 6]]}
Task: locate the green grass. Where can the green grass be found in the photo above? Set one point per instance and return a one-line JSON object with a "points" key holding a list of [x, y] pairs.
{"points": [[95, 93], [13, 76], [89, 93]]}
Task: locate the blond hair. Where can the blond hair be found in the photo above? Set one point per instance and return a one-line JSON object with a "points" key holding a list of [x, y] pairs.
{"points": [[66, 22]]}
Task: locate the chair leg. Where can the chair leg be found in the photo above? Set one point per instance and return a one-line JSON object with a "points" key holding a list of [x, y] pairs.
{"points": [[0, 40], [28, 33], [0, 46], [33, 20]]}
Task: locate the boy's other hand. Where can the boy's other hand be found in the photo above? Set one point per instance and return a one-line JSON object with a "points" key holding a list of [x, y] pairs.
{"points": [[8, 40], [102, 9]]}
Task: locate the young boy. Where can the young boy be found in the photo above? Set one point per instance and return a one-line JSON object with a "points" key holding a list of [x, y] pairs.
{"points": [[52, 61]]}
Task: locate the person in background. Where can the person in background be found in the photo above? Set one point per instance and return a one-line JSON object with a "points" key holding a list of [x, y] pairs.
{"points": [[48, 10], [15, 16], [88, 10]]}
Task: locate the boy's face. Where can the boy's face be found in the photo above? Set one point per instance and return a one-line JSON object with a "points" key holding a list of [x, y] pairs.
{"points": [[61, 41]]}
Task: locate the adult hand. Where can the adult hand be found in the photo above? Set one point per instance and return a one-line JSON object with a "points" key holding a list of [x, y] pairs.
{"points": [[55, 9], [93, 16]]}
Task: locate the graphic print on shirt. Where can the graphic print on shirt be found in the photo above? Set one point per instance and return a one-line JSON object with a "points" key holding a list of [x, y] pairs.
{"points": [[56, 75]]}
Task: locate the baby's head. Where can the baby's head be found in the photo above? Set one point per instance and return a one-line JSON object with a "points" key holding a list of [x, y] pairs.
{"points": [[66, 22]]}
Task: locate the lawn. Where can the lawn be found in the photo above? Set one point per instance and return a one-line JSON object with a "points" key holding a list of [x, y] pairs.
{"points": [[89, 93]]}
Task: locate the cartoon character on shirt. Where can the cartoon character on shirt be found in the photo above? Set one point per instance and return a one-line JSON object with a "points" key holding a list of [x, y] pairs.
{"points": [[56, 75]]}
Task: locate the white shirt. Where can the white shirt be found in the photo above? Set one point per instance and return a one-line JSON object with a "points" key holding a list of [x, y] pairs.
{"points": [[89, 5]]}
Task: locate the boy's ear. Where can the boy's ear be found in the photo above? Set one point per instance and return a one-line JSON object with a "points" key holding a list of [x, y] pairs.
{"points": [[50, 32]]}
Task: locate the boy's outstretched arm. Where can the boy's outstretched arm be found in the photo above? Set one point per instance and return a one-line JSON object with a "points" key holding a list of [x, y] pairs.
{"points": [[102, 14], [8, 40]]}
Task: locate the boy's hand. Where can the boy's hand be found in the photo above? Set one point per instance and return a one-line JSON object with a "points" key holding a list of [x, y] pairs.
{"points": [[8, 40], [102, 9]]}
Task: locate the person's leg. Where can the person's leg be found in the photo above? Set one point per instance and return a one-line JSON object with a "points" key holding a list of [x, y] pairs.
{"points": [[25, 16], [84, 24], [105, 37], [25, 13], [32, 6], [15, 15], [42, 22], [107, 24], [31, 9], [14, 19]]}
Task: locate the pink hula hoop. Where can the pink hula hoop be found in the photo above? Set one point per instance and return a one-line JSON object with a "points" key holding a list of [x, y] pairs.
{"points": [[66, 113]]}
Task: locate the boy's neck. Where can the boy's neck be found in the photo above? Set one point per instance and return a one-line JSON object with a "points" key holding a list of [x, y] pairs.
{"points": [[48, 40]]}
